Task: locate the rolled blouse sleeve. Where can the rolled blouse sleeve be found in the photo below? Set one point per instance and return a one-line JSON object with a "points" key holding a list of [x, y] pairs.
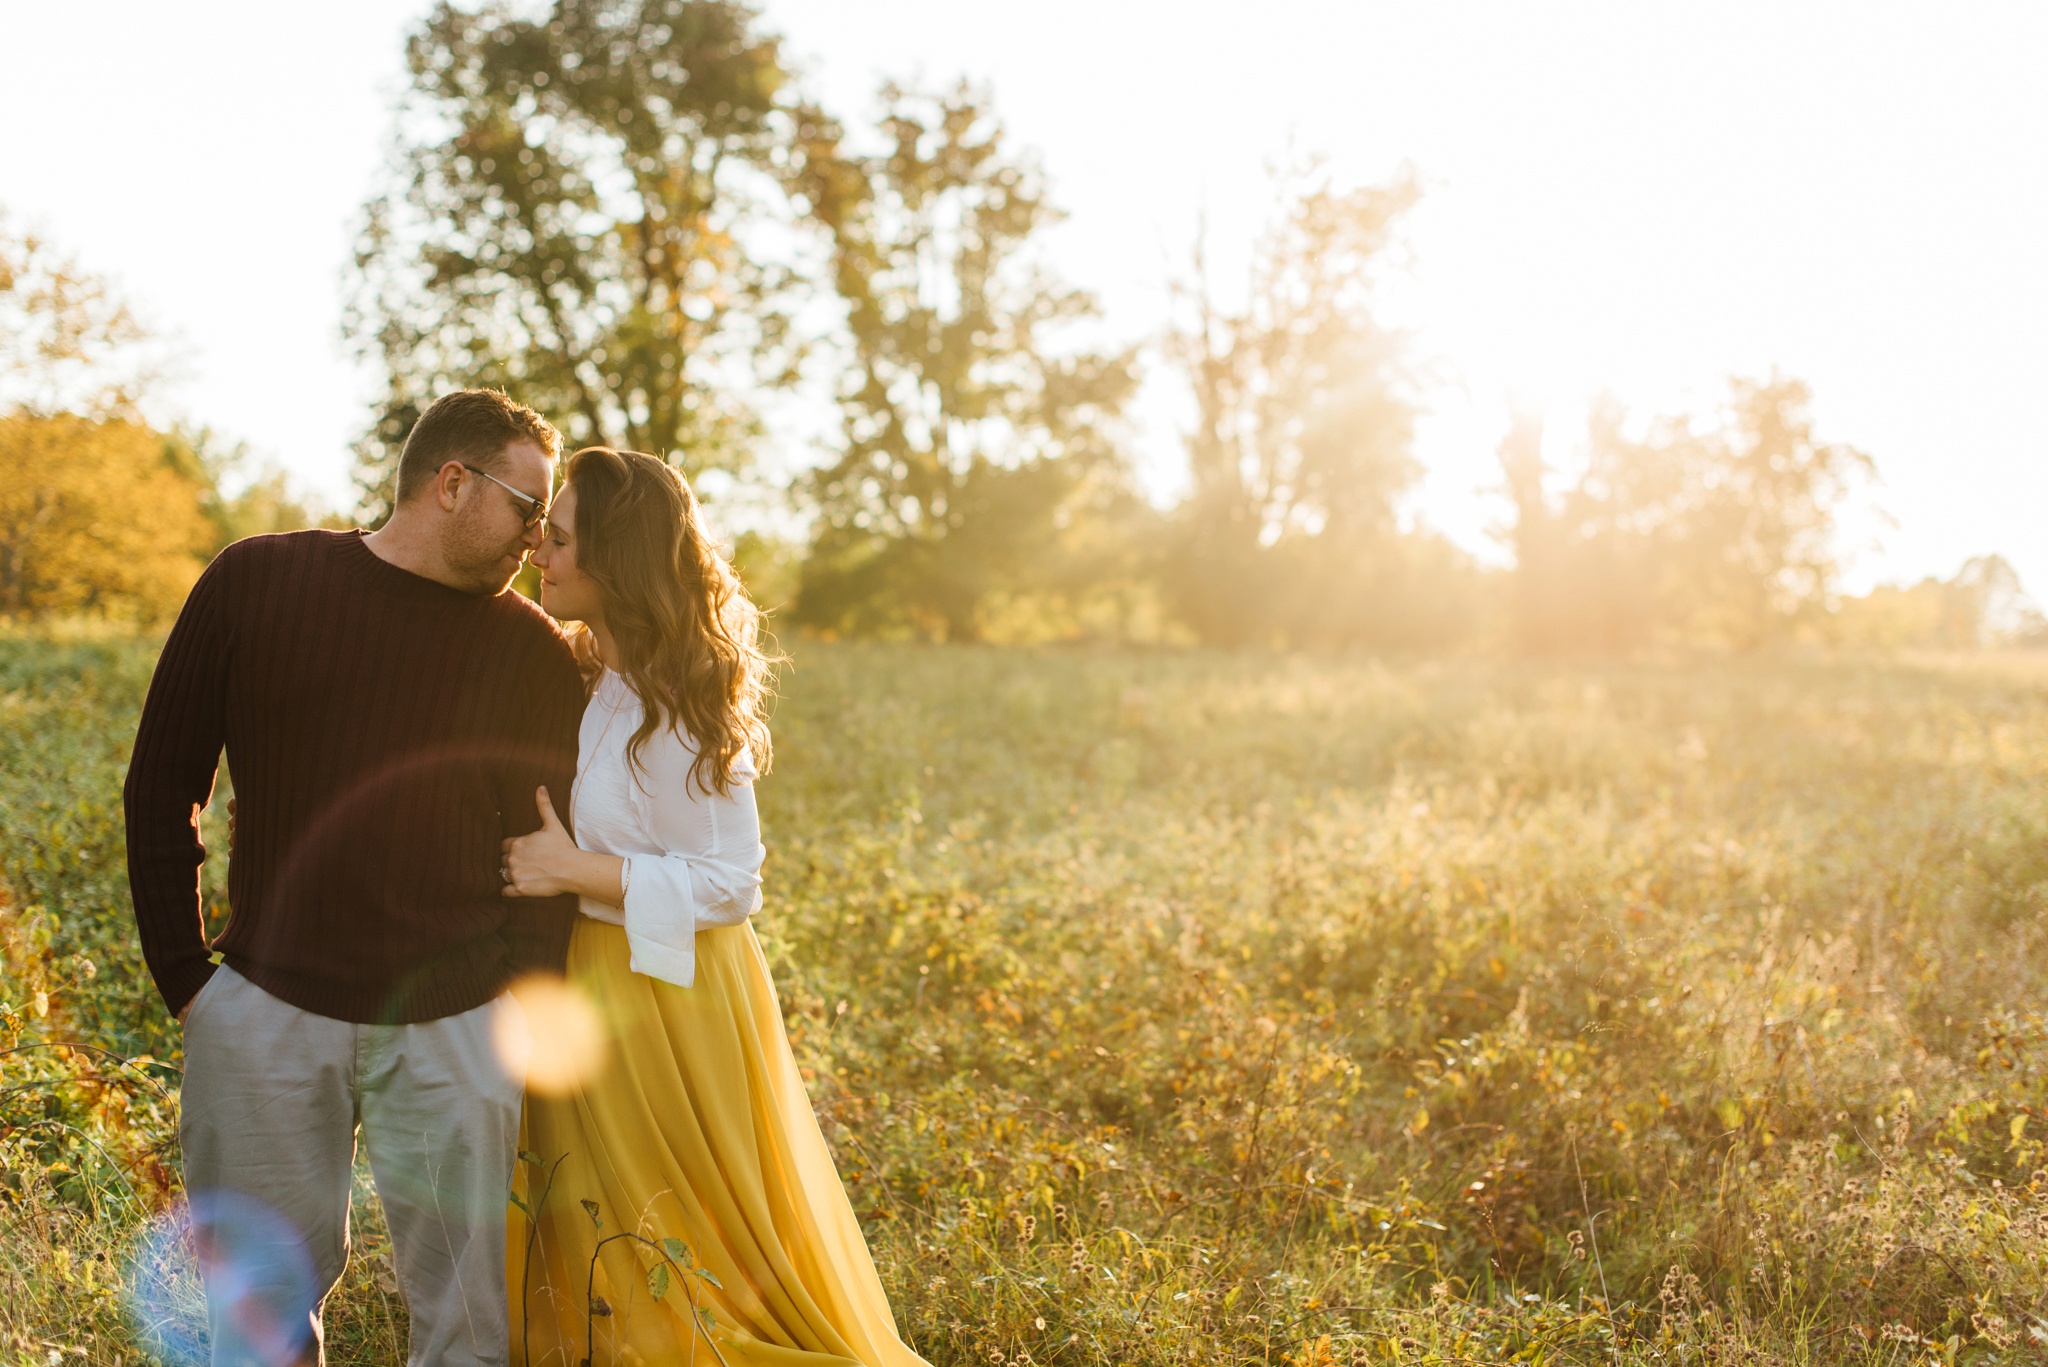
{"points": [[708, 870]]}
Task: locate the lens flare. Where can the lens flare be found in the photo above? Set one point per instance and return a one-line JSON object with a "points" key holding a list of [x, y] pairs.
{"points": [[550, 1034], [254, 1262]]}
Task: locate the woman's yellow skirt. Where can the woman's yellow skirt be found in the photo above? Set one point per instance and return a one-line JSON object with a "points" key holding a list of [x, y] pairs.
{"points": [[696, 1135]]}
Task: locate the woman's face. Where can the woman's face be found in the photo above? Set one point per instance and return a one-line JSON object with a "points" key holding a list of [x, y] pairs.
{"points": [[568, 594]]}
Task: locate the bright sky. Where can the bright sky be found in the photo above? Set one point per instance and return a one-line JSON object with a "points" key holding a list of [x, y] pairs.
{"points": [[1637, 199]]}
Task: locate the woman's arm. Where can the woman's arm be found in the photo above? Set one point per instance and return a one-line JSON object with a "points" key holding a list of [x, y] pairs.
{"points": [[710, 871], [548, 862]]}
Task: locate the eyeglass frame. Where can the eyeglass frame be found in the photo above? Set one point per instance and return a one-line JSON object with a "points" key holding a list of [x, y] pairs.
{"points": [[540, 505]]}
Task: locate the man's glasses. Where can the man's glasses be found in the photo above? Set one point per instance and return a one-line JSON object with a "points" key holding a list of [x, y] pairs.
{"points": [[536, 508]]}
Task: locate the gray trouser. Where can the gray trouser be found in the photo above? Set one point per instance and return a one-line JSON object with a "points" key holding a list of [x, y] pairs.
{"points": [[272, 1099]]}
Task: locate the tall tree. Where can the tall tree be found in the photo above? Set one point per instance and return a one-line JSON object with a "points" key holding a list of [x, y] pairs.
{"points": [[68, 342], [972, 438], [98, 513], [95, 518], [1711, 530], [1580, 580], [579, 194], [1983, 607], [1304, 420]]}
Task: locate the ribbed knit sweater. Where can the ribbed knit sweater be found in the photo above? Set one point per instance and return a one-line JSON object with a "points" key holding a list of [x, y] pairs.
{"points": [[385, 732]]}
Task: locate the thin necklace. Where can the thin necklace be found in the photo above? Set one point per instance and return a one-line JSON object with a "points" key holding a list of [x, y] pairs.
{"points": [[584, 763]]}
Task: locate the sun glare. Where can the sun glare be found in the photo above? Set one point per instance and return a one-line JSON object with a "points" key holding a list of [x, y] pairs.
{"points": [[551, 1035]]}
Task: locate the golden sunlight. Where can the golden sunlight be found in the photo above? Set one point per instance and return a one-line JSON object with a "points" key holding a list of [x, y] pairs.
{"points": [[551, 1035]]}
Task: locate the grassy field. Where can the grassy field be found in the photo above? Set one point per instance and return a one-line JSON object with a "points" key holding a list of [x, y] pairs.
{"points": [[1167, 1008]]}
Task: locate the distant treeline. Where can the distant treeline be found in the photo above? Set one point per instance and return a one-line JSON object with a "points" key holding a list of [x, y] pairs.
{"points": [[630, 215], [101, 513]]}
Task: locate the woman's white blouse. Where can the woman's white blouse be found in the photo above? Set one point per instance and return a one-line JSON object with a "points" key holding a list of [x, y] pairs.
{"points": [[694, 858]]}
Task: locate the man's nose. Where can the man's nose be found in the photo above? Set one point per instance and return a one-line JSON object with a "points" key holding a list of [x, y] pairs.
{"points": [[532, 539]]}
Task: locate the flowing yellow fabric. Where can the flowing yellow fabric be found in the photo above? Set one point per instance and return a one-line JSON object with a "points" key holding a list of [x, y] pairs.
{"points": [[697, 1129]]}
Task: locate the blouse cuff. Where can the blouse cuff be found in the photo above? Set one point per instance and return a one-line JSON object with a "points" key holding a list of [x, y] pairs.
{"points": [[671, 963]]}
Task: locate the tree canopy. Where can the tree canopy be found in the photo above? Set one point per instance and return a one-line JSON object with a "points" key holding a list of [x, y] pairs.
{"points": [[1715, 529], [100, 512], [1305, 420], [68, 342], [974, 425], [583, 204], [630, 215], [93, 518]]}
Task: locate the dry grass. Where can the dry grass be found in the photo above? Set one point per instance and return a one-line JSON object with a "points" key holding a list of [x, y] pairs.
{"points": [[1200, 1009]]}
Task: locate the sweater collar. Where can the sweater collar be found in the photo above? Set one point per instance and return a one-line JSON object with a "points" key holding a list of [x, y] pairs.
{"points": [[396, 579]]}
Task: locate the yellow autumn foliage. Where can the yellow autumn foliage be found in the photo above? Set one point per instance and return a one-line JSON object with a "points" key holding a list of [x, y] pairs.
{"points": [[94, 519]]}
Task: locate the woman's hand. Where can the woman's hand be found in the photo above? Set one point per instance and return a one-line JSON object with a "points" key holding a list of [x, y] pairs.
{"points": [[548, 862], [544, 863]]}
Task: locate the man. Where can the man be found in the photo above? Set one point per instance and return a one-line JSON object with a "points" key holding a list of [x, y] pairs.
{"points": [[387, 709]]}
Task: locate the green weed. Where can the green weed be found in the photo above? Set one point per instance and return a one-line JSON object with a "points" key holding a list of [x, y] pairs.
{"points": [[1173, 1008]]}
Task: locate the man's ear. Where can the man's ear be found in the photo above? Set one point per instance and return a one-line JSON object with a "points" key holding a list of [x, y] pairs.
{"points": [[448, 484]]}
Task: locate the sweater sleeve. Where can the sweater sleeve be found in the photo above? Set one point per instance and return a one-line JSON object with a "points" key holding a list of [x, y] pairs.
{"points": [[170, 778], [537, 929]]}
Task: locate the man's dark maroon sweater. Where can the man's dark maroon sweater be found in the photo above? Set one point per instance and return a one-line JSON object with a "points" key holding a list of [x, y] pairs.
{"points": [[385, 732]]}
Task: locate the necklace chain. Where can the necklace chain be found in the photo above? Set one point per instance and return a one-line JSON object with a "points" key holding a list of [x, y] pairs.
{"points": [[584, 762]]}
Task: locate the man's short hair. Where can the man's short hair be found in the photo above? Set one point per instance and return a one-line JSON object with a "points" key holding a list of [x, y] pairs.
{"points": [[474, 425]]}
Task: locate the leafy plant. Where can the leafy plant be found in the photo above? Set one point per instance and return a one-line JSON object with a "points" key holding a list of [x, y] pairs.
{"points": [[1176, 1007]]}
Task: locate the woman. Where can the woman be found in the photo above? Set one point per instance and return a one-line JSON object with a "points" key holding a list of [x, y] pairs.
{"points": [[695, 1140]]}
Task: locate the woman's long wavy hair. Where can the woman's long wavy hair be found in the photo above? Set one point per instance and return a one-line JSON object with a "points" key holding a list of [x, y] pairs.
{"points": [[689, 636]]}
